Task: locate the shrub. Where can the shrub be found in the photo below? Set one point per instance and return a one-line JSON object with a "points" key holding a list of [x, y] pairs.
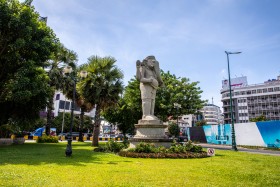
{"points": [[5, 131], [114, 146], [47, 139], [196, 149], [111, 146], [177, 148], [145, 148]]}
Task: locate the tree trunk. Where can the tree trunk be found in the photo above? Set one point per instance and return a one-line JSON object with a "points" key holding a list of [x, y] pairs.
{"points": [[49, 112], [96, 127], [81, 124], [49, 117]]}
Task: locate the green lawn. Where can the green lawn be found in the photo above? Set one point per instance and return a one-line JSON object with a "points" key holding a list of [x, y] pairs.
{"points": [[34, 164]]}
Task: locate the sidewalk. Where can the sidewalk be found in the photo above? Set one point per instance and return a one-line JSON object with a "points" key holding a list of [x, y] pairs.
{"points": [[241, 149]]}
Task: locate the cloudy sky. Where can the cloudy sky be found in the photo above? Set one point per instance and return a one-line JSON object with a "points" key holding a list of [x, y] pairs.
{"points": [[188, 37]]}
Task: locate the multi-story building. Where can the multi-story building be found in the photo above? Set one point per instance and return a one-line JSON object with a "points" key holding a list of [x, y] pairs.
{"points": [[251, 101], [63, 104], [212, 114]]}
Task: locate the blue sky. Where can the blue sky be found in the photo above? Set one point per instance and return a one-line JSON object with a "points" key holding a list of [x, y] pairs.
{"points": [[188, 37]]}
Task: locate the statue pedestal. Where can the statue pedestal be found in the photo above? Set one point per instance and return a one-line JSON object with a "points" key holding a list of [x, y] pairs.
{"points": [[150, 131]]}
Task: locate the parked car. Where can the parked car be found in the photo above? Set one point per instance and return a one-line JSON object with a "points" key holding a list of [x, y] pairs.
{"points": [[183, 139], [119, 136]]}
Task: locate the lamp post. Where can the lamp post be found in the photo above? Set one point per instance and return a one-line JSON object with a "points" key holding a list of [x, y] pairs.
{"points": [[177, 106], [230, 98], [69, 71]]}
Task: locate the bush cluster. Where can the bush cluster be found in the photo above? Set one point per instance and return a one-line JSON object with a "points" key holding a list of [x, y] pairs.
{"points": [[47, 139], [112, 146], [147, 150], [163, 155]]}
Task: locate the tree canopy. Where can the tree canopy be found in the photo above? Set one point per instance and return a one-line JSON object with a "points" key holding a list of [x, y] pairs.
{"points": [[102, 87], [25, 46], [176, 90]]}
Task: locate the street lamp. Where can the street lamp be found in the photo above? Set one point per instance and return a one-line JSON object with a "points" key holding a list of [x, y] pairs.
{"points": [[177, 106], [69, 71], [230, 97]]}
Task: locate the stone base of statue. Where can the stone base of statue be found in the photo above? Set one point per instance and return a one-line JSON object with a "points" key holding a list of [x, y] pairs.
{"points": [[150, 131]]}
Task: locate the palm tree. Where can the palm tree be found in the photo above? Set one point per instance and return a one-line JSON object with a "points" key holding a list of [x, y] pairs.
{"points": [[79, 101], [62, 57], [102, 87]]}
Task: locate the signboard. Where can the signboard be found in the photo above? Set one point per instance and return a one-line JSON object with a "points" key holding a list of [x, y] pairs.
{"points": [[210, 152], [235, 82]]}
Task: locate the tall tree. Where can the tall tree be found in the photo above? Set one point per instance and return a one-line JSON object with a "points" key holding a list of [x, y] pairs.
{"points": [[79, 100], [123, 116], [176, 90], [25, 46], [59, 59], [101, 87]]}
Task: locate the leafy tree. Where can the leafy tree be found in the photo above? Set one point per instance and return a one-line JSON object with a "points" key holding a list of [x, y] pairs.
{"points": [[59, 59], [102, 87], [201, 123], [123, 116], [79, 100], [25, 46], [57, 123], [176, 90], [259, 118], [173, 129]]}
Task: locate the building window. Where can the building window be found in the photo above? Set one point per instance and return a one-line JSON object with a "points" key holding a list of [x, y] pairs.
{"points": [[57, 97], [270, 89], [259, 90], [253, 91], [277, 89], [264, 90], [61, 104]]}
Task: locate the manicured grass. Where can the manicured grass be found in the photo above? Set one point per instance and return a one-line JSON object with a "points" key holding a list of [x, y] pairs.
{"points": [[34, 164]]}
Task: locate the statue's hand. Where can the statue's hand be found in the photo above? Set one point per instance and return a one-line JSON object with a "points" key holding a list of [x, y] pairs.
{"points": [[138, 63]]}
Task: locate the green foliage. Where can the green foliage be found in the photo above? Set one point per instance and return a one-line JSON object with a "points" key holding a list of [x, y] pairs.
{"points": [[176, 150], [102, 87], [25, 45], [201, 123], [173, 129], [111, 146], [145, 148], [60, 58], [5, 131], [176, 90], [259, 118], [57, 122], [47, 139], [123, 116]]}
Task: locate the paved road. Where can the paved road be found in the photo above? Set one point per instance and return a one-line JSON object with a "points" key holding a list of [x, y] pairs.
{"points": [[228, 147]]}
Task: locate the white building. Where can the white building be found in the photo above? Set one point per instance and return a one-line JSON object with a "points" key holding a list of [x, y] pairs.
{"points": [[63, 104], [251, 101], [212, 114]]}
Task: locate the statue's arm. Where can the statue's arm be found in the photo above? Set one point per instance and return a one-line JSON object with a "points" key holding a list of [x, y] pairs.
{"points": [[138, 73], [157, 70]]}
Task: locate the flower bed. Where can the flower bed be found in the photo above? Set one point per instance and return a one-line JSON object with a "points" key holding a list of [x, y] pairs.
{"points": [[177, 150], [202, 154]]}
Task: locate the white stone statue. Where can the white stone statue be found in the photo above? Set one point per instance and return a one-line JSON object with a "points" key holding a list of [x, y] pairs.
{"points": [[148, 73]]}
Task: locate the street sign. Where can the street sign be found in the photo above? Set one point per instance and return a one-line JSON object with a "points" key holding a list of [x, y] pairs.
{"points": [[210, 152]]}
